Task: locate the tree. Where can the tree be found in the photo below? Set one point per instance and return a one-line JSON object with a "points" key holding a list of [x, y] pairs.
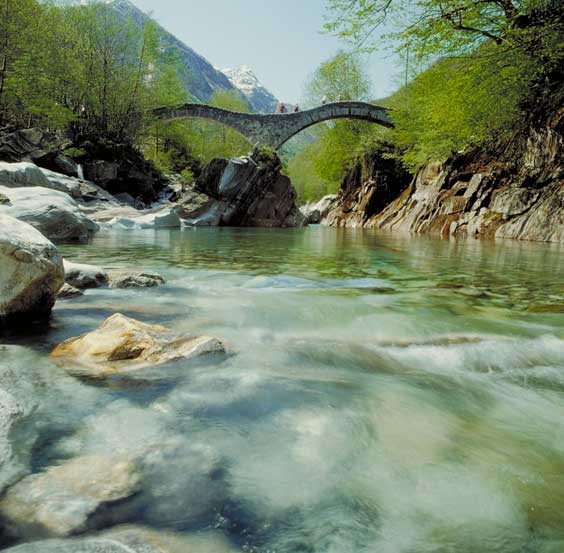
{"points": [[17, 22], [431, 28], [342, 77]]}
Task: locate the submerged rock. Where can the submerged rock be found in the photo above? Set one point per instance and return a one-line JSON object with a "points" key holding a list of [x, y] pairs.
{"points": [[55, 214], [135, 280], [121, 344], [10, 413], [68, 291], [31, 270], [133, 539], [60, 501], [82, 275]]}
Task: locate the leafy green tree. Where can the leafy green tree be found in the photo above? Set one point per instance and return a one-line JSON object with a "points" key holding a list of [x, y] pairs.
{"points": [[320, 167], [17, 32]]}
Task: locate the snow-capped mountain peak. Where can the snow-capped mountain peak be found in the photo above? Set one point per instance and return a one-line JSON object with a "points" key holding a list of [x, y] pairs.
{"points": [[259, 98]]}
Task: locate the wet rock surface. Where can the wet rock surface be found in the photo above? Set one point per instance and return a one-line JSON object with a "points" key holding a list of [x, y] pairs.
{"points": [[60, 501], [135, 280], [31, 271], [68, 291], [83, 275], [121, 344]]}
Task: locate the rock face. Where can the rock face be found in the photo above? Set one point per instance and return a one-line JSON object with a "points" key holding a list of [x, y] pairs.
{"points": [[247, 192], [55, 214], [31, 270], [81, 275], [515, 192], [60, 501], [375, 181], [120, 344]]}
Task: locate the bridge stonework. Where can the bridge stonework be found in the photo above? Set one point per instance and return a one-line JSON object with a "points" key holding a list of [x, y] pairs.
{"points": [[275, 129]]}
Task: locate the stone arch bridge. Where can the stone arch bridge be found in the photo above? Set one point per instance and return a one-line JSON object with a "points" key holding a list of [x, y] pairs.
{"points": [[276, 128]]}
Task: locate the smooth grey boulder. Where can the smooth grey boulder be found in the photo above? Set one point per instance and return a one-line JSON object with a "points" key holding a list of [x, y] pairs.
{"points": [[31, 270], [55, 214], [23, 174], [82, 275]]}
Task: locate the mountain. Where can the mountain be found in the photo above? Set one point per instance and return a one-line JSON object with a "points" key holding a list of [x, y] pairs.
{"points": [[202, 79], [260, 99]]}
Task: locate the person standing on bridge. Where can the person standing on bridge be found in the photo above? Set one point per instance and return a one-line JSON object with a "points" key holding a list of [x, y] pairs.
{"points": [[324, 100], [281, 108], [296, 108]]}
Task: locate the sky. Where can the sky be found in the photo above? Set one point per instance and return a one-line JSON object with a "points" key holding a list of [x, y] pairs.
{"points": [[280, 41]]}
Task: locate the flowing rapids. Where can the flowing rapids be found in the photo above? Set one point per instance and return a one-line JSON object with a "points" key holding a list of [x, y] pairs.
{"points": [[392, 394]]}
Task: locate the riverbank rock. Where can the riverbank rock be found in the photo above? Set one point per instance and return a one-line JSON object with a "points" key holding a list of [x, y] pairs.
{"points": [[55, 214], [82, 275], [135, 280], [370, 185], [31, 271], [512, 189], [246, 191], [120, 344], [23, 174], [60, 501], [315, 212]]}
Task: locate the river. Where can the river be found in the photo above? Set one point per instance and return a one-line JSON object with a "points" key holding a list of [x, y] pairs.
{"points": [[380, 394]]}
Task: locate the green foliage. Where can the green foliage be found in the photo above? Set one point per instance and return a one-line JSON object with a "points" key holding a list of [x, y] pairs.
{"points": [[82, 66], [458, 102], [318, 169], [475, 63]]}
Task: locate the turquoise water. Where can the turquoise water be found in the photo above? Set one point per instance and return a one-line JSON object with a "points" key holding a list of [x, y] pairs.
{"points": [[380, 393]]}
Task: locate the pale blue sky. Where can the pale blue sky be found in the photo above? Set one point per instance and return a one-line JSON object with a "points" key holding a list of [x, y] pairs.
{"points": [[280, 41]]}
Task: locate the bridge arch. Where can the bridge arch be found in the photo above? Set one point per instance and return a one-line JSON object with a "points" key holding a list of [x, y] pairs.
{"points": [[276, 129]]}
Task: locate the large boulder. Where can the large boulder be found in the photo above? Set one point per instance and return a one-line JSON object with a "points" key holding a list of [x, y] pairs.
{"points": [[60, 501], [122, 344], [28, 144], [16, 175], [31, 270], [55, 214], [248, 192]]}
